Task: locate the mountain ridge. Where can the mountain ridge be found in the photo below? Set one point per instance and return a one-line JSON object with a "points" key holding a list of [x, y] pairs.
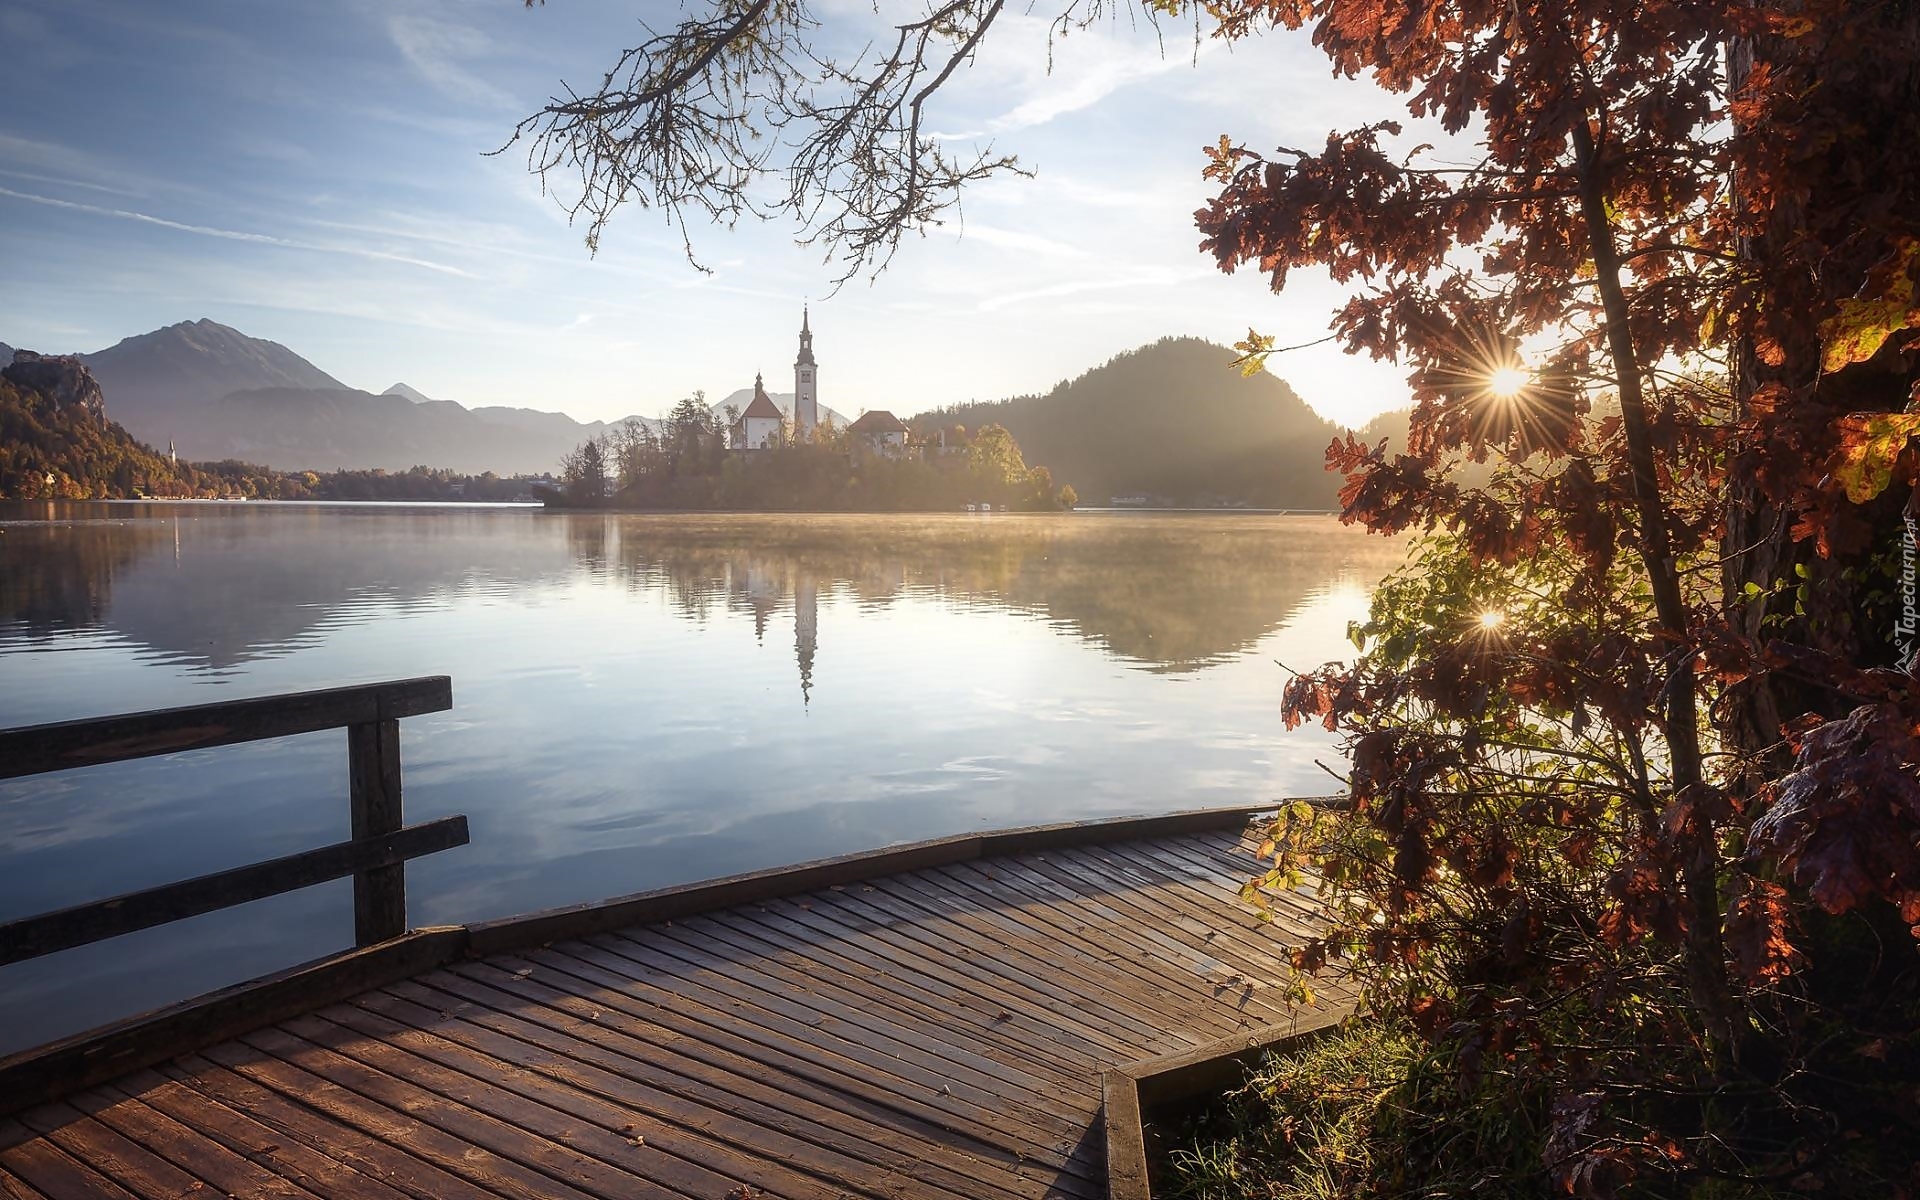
{"points": [[148, 376], [217, 393], [408, 392], [1172, 420]]}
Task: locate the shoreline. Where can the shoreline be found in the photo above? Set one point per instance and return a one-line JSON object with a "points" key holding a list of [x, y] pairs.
{"points": [[537, 506]]}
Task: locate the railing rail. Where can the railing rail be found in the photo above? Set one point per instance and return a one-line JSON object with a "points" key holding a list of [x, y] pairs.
{"points": [[375, 856]]}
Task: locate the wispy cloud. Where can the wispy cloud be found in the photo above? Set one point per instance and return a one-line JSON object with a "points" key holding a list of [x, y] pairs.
{"points": [[437, 50], [1047, 75], [72, 183], [235, 235], [1013, 239], [1132, 279], [52, 156], [67, 166], [1087, 86]]}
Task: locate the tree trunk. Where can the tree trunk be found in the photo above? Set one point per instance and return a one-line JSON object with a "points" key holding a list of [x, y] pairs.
{"points": [[1757, 545], [1705, 953]]}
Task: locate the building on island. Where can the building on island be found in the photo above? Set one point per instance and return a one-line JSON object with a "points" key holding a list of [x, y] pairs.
{"points": [[806, 385], [880, 432], [759, 427]]}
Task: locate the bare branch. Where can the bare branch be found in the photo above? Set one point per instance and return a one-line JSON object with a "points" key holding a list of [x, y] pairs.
{"points": [[693, 121]]}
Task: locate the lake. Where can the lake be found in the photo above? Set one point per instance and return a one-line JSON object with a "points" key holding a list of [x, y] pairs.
{"points": [[638, 700]]}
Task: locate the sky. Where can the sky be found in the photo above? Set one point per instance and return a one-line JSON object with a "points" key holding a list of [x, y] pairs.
{"points": [[314, 172]]}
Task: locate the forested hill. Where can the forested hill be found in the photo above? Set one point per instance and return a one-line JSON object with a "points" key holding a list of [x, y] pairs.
{"points": [[56, 440], [1174, 420]]}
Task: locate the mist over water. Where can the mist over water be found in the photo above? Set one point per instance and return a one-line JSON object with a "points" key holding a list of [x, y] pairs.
{"points": [[638, 700]]}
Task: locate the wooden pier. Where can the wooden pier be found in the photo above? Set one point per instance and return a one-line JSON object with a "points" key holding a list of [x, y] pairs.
{"points": [[923, 1021]]}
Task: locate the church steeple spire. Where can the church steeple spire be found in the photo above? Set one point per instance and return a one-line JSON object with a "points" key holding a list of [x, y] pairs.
{"points": [[806, 382]]}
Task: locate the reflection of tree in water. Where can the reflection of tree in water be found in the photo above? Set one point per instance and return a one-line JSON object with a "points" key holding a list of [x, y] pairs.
{"points": [[1172, 593], [59, 575], [587, 542], [219, 585]]}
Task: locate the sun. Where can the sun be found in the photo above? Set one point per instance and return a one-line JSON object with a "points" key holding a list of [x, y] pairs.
{"points": [[1504, 383], [1492, 619]]}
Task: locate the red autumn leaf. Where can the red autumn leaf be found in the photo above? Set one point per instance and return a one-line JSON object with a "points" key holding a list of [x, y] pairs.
{"points": [[1845, 822], [1757, 931]]}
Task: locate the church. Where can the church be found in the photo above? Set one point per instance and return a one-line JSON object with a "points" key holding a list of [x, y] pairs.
{"points": [[759, 426]]}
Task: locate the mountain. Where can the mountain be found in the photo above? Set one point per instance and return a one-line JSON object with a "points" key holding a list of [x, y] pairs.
{"points": [[781, 400], [1393, 425], [402, 390], [1174, 420], [149, 377], [328, 429], [528, 420], [217, 394], [540, 423], [1396, 424], [6, 354]]}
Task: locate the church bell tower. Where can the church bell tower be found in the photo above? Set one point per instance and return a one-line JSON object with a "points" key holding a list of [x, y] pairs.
{"points": [[806, 385]]}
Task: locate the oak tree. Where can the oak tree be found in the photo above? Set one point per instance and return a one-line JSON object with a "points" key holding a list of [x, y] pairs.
{"points": [[1632, 734]]}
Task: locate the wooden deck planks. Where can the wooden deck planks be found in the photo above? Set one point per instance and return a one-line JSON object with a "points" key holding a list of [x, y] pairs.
{"points": [[251, 1139], [935, 1033], [779, 1101], [726, 1130]]}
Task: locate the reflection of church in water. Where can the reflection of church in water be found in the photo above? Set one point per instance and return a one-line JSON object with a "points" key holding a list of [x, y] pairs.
{"points": [[761, 585]]}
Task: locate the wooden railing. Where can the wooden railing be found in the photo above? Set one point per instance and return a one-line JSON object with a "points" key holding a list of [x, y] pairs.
{"points": [[375, 856]]}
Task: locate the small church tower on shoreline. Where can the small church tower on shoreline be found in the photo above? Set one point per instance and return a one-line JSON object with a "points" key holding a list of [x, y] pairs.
{"points": [[806, 385]]}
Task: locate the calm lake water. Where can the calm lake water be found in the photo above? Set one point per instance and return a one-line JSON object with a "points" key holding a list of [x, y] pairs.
{"points": [[638, 700]]}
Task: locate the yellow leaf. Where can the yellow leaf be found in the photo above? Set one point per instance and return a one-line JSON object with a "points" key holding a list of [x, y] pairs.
{"points": [[1253, 352], [1884, 307], [1870, 445]]}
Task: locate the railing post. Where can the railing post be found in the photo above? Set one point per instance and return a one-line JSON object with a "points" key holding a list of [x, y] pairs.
{"points": [[373, 766]]}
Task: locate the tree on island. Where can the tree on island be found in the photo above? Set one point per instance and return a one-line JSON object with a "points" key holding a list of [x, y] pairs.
{"points": [[691, 464], [1631, 844], [584, 472]]}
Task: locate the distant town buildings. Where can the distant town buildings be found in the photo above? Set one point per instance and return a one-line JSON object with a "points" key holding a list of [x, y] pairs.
{"points": [[880, 432], [759, 426]]}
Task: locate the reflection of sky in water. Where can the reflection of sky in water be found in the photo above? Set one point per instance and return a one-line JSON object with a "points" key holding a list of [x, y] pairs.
{"points": [[638, 701]]}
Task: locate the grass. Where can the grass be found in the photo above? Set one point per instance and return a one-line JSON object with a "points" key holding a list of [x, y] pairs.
{"points": [[1365, 1113]]}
